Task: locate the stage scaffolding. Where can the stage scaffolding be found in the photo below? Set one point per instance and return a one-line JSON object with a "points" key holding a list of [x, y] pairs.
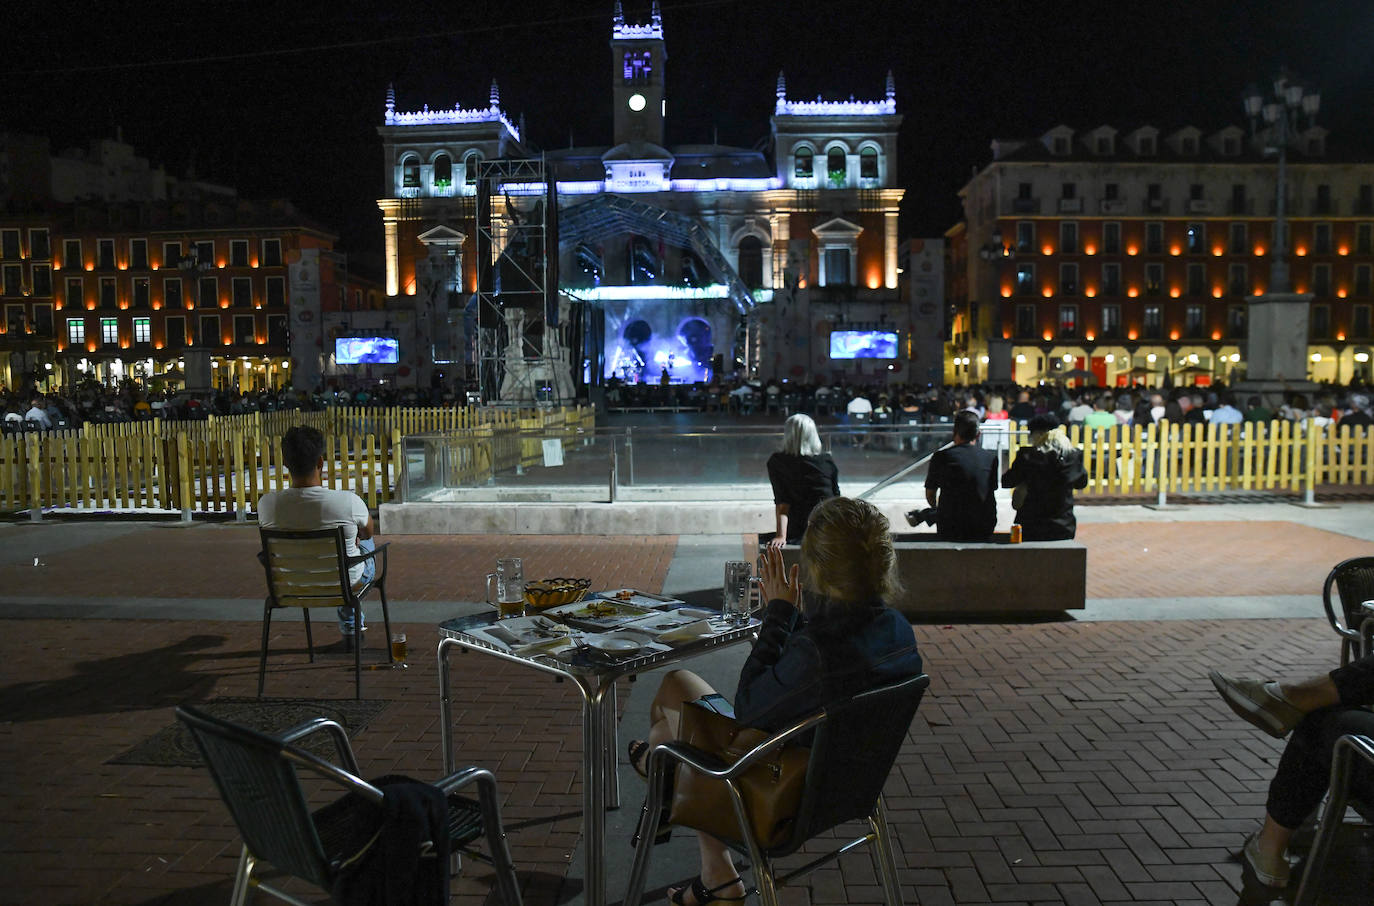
{"points": [[517, 265]]}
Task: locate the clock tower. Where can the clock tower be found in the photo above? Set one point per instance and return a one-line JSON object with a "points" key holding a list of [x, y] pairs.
{"points": [[637, 56]]}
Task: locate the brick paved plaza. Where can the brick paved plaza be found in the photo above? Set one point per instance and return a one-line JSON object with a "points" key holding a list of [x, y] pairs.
{"points": [[1077, 761]]}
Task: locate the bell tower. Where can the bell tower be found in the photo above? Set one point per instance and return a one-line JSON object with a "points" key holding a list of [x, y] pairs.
{"points": [[637, 57]]}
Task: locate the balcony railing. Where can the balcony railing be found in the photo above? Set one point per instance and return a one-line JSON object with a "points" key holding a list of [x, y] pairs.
{"points": [[1025, 205]]}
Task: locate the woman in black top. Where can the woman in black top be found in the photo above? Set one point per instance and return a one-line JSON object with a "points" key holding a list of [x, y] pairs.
{"points": [[1048, 470], [843, 638], [802, 476]]}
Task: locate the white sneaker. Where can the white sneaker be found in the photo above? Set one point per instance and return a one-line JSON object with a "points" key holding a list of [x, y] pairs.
{"points": [[1272, 872]]}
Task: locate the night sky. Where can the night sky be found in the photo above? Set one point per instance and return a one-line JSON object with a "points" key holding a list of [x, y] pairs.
{"points": [[283, 100]]}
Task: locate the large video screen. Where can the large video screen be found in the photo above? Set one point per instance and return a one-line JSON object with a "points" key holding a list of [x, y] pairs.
{"points": [[367, 350], [863, 344]]}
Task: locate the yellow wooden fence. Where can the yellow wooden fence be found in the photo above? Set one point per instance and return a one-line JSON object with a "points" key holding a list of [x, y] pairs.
{"points": [[1205, 458], [225, 464]]}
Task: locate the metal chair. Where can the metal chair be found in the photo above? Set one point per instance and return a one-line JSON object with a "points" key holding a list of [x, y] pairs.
{"points": [[1354, 582], [310, 569], [854, 746], [258, 780], [1349, 752]]}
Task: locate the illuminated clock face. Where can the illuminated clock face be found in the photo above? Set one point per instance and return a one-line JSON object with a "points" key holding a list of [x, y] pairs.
{"points": [[637, 102]]}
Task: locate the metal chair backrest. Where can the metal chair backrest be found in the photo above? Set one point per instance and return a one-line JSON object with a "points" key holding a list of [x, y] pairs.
{"points": [[260, 788], [1353, 581], [852, 753], [306, 569]]}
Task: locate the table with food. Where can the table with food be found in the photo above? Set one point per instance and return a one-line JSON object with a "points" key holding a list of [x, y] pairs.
{"points": [[591, 638]]}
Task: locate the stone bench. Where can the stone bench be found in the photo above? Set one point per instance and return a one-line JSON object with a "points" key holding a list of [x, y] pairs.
{"points": [[950, 577]]}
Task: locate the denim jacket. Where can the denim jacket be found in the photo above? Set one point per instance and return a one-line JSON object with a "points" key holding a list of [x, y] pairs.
{"points": [[798, 665]]}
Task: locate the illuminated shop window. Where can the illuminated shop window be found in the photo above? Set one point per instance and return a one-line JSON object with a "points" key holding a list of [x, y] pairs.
{"points": [[143, 330], [76, 331], [109, 331]]}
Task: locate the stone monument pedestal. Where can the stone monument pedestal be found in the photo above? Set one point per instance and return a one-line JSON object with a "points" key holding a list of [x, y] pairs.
{"points": [[1276, 349]]}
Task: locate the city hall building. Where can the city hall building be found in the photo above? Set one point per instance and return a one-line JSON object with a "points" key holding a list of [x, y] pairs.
{"points": [[690, 260]]}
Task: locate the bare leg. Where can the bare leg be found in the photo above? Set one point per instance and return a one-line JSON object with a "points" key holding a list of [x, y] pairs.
{"points": [[678, 688], [1311, 694], [1273, 837]]}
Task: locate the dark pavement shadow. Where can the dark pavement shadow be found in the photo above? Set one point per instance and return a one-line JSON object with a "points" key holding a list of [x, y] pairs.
{"points": [[138, 681]]}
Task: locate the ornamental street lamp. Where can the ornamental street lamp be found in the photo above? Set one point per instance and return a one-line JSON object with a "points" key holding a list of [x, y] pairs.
{"points": [[1274, 125]]}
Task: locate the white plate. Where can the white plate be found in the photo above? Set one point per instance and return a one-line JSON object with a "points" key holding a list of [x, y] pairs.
{"points": [[615, 643]]}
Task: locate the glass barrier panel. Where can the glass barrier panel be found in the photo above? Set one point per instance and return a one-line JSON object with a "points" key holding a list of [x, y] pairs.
{"points": [[563, 465]]}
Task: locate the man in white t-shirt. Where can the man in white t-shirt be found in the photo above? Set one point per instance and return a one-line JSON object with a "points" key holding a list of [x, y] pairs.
{"points": [[308, 505]]}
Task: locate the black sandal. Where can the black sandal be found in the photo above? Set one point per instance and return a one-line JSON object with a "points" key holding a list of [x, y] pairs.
{"points": [[639, 749], [704, 896]]}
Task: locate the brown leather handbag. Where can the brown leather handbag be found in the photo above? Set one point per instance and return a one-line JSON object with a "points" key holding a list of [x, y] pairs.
{"points": [[771, 789]]}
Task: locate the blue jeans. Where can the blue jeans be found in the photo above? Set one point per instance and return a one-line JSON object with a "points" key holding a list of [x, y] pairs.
{"points": [[365, 546]]}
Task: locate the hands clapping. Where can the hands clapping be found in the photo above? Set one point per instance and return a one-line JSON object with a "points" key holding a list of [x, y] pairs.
{"points": [[776, 580]]}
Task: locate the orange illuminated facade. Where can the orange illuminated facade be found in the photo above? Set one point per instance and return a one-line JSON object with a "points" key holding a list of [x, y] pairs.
{"points": [[86, 286], [1140, 243]]}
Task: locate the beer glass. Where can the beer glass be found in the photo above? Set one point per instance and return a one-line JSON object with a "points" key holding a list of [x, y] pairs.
{"points": [[737, 603], [510, 587], [398, 647]]}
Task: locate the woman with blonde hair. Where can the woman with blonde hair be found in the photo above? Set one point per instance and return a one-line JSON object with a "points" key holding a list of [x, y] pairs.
{"points": [[1044, 477], [802, 475], [841, 639]]}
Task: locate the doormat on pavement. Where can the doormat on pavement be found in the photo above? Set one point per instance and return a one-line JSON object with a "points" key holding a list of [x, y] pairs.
{"points": [[174, 747]]}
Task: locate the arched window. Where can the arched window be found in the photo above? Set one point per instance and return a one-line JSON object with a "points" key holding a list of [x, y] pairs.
{"points": [[443, 171], [410, 173], [804, 163], [751, 262], [470, 168], [868, 163], [835, 166]]}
